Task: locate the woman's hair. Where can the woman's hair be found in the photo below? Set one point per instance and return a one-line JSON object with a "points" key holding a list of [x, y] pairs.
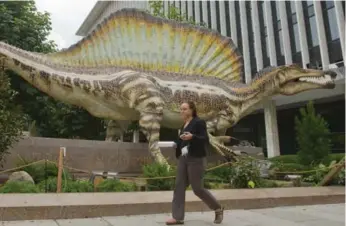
{"points": [[192, 106]]}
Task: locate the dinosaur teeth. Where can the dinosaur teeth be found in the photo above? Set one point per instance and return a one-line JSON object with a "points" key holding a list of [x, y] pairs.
{"points": [[318, 80]]}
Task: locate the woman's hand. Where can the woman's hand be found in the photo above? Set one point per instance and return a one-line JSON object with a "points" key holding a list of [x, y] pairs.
{"points": [[186, 136]]}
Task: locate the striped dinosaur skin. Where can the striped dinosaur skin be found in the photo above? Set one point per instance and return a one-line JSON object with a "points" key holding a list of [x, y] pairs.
{"points": [[150, 90]]}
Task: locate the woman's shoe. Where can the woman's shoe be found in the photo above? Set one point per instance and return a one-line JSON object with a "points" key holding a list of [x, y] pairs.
{"points": [[174, 222], [218, 216]]}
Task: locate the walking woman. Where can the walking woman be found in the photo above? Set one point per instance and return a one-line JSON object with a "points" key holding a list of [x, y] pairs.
{"points": [[191, 155]]}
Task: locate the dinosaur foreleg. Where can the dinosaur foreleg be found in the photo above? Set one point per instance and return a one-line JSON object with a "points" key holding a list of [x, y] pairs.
{"points": [[217, 142], [115, 129]]}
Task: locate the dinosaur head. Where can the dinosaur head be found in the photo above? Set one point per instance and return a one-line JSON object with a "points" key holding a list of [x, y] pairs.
{"points": [[292, 79]]}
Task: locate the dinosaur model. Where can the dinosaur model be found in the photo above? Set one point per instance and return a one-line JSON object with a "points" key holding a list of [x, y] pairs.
{"points": [[135, 66]]}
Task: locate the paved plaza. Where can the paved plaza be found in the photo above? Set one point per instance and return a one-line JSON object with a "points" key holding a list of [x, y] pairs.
{"points": [[316, 215]]}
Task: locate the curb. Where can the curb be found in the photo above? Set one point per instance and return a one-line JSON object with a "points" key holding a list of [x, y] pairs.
{"points": [[15, 207]]}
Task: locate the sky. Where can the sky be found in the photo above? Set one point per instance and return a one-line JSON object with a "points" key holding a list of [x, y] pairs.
{"points": [[66, 17]]}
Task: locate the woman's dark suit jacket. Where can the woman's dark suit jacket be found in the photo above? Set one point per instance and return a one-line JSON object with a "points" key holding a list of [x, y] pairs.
{"points": [[198, 144]]}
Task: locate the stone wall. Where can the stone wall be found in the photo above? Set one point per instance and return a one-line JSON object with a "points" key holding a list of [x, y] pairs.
{"points": [[91, 155]]}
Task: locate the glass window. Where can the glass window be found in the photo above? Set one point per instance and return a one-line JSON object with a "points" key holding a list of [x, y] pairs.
{"points": [[308, 3], [296, 38], [311, 11], [281, 43], [293, 6], [329, 4], [294, 19], [334, 33], [313, 30], [277, 10], [267, 45]]}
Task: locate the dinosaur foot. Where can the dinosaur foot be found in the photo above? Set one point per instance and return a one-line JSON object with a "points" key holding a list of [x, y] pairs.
{"points": [[217, 142]]}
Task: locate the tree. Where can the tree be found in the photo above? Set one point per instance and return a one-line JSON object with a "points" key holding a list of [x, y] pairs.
{"points": [[173, 13], [11, 117], [313, 136], [23, 26]]}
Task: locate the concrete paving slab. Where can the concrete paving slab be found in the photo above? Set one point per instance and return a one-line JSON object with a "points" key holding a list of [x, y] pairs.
{"points": [[83, 222], [29, 223], [280, 216]]}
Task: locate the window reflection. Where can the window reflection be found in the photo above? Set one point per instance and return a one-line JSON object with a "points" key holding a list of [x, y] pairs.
{"points": [[334, 33], [313, 30], [296, 38]]}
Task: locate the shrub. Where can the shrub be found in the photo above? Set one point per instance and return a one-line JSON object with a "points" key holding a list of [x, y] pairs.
{"points": [[284, 159], [114, 185], [11, 117], [313, 136], [67, 185], [334, 157], [221, 174], [158, 170], [19, 187], [40, 171], [244, 173], [321, 171]]}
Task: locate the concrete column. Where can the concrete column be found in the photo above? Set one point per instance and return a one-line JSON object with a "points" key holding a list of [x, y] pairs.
{"points": [[270, 33], [189, 10], [205, 12], [285, 33], [272, 134], [321, 35], [222, 17], [233, 22], [340, 18], [135, 138], [183, 8], [245, 37], [213, 15], [198, 18], [302, 34], [257, 35], [166, 7]]}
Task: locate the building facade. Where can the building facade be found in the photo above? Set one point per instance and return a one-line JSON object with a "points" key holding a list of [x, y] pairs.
{"points": [[270, 33]]}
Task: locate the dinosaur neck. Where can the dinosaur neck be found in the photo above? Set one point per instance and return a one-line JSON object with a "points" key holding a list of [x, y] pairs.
{"points": [[252, 95]]}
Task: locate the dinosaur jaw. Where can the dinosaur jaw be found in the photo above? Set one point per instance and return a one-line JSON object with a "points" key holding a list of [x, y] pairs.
{"points": [[305, 83]]}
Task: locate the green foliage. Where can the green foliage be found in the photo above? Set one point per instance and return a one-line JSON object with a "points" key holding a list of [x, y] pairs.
{"points": [[19, 187], [333, 157], [174, 13], [312, 136], [294, 158], [68, 185], [41, 170], [221, 174], [158, 170], [318, 175], [321, 171], [284, 159], [23, 26], [289, 167], [243, 172], [114, 185], [11, 117]]}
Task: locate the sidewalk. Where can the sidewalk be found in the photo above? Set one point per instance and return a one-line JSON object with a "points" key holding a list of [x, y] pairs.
{"points": [[317, 215]]}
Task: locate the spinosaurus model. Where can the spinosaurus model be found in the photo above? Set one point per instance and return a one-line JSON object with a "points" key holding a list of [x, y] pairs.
{"points": [[135, 66]]}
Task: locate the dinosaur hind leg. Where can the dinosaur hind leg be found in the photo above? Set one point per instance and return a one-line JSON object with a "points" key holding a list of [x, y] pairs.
{"points": [[149, 123]]}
